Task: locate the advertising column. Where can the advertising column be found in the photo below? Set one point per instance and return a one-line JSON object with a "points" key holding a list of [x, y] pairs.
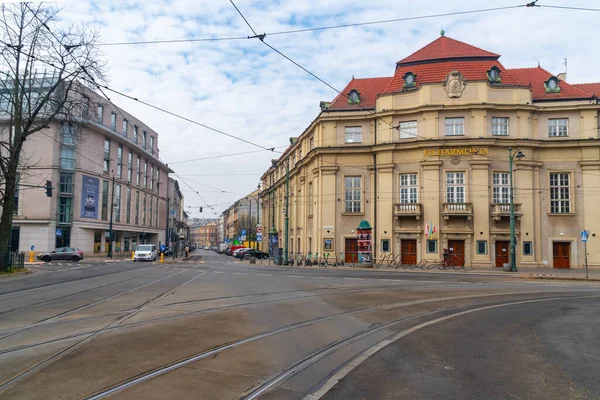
{"points": [[364, 232]]}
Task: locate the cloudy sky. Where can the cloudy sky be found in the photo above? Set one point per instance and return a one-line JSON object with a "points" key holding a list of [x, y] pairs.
{"points": [[243, 88]]}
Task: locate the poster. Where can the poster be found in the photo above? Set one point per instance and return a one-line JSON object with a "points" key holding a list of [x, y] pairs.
{"points": [[89, 197], [364, 245]]}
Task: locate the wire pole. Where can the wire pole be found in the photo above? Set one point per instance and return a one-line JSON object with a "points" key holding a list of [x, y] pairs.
{"points": [[110, 227]]}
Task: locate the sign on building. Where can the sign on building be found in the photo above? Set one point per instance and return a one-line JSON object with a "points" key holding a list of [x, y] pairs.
{"points": [[89, 197]]}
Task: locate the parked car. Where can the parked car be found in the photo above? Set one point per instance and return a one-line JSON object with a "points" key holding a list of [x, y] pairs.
{"points": [[62, 253], [169, 251], [145, 252], [256, 253], [232, 249], [236, 252]]}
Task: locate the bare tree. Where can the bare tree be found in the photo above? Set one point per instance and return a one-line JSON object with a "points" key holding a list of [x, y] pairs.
{"points": [[46, 71]]}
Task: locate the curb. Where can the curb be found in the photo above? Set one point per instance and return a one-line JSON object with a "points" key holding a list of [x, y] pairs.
{"points": [[558, 278], [25, 271]]}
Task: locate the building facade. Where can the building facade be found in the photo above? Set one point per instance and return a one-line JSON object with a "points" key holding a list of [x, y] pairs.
{"points": [[423, 156], [206, 234], [243, 215], [104, 167]]}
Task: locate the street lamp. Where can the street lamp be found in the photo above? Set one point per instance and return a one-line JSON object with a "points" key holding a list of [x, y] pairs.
{"points": [[513, 242]]}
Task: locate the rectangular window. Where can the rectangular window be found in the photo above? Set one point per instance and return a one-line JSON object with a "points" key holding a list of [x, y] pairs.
{"points": [[293, 161], [106, 156], [145, 174], [65, 210], [144, 137], [137, 208], [408, 188], [432, 246], [128, 207], [144, 210], [499, 126], [352, 194], [129, 166], [385, 245], [124, 127], [408, 129], [68, 136], [113, 121], [560, 193], [135, 134], [455, 187], [139, 171], [100, 114], [501, 187], [157, 179], [67, 159], [152, 144], [150, 214], [16, 197], [455, 126], [310, 199], [558, 127], [117, 203], [152, 178], [527, 248], [353, 134], [311, 143], [66, 183], [120, 161], [104, 214], [482, 247], [156, 211]]}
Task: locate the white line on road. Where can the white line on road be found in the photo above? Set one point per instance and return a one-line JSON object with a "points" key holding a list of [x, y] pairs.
{"points": [[264, 275], [293, 276], [354, 279], [240, 273], [217, 272], [322, 277]]}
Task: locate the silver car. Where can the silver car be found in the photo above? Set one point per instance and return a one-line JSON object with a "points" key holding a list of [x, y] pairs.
{"points": [[62, 253]]}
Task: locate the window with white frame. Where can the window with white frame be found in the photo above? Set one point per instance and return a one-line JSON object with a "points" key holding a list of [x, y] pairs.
{"points": [[455, 126], [558, 127], [310, 199], [124, 127], [455, 187], [408, 129], [408, 188], [113, 121], [560, 193], [353, 134], [499, 126], [352, 194], [501, 187]]}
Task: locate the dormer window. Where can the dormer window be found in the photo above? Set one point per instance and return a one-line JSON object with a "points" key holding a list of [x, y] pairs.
{"points": [[354, 97], [494, 75], [551, 85], [409, 80]]}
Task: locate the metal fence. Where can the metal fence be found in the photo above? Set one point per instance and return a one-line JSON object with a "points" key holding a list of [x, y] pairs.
{"points": [[12, 260]]}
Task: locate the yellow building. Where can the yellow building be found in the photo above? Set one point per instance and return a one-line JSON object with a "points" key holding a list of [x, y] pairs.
{"points": [[423, 156]]}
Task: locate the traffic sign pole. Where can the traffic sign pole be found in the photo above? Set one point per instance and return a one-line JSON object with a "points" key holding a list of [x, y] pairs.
{"points": [[584, 238]]}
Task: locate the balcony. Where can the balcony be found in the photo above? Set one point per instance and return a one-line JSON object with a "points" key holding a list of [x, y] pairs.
{"points": [[500, 210], [458, 210], [408, 210]]}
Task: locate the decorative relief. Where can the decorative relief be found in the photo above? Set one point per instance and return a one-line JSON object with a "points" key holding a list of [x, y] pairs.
{"points": [[454, 84]]}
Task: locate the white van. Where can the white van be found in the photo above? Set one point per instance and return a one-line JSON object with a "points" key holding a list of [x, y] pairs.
{"points": [[145, 252]]}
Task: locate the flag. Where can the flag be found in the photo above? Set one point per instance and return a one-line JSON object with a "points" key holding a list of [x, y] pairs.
{"points": [[431, 227], [426, 230]]}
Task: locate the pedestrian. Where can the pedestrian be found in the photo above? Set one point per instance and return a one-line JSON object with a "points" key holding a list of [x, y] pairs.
{"points": [[445, 255], [187, 251]]}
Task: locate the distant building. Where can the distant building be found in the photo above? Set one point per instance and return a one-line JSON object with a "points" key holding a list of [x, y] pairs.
{"points": [[243, 215]]}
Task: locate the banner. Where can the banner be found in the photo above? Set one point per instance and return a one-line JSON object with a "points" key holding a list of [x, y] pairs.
{"points": [[89, 197]]}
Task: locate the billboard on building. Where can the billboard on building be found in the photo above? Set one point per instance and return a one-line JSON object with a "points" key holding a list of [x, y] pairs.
{"points": [[89, 197]]}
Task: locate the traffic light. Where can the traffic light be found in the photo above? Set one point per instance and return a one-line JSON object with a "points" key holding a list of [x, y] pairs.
{"points": [[49, 188], [200, 209]]}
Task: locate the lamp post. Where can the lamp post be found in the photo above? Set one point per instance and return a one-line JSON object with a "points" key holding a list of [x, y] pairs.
{"points": [[110, 226], [286, 222], [513, 242]]}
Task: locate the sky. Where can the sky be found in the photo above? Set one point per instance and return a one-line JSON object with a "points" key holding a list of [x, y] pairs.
{"points": [[243, 88]]}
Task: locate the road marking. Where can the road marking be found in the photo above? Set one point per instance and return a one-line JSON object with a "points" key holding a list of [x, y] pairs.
{"points": [[240, 273], [264, 275], [217, 272], [293, 276], [355, 279], [322, 277]]}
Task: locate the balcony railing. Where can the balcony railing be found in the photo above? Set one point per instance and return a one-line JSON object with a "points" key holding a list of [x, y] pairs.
{"points": [[408, 210], [458, 210], [500, 210]]}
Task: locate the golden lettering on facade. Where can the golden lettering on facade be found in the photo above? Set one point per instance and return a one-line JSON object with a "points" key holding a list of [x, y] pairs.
{"points": [[456, 152]]}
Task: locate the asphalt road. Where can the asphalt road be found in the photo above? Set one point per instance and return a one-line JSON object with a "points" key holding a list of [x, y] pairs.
{"points": [[216, 328]]}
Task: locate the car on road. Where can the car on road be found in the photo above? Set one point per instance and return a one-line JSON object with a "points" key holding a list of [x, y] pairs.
{"points": [[236, 252], [62, 253], [145, 252], [256, 253]]}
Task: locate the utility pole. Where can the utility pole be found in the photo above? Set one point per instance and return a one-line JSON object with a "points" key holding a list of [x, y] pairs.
{"points": [[110, 226], [167, 238], [513, 238], [286, 224], [249, 221], [257, 212]]}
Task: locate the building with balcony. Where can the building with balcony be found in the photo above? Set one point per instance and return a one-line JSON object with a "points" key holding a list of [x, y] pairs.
{"points": [[242, 215], [105, 166], [423, 156]]}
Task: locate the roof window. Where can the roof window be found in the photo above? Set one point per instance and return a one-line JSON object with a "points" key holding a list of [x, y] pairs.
{"points": [[354, 97], [409, 80], [551, 85], [494, 75]]}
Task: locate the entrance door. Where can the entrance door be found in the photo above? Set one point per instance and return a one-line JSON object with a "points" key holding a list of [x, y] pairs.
{"points": [[561, 253], [502, 253], [456, 249], [351, 250], [409, 251]]}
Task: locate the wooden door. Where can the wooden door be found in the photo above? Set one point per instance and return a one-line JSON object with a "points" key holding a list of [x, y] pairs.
{"points": [[502, 253], [409, 251], [456, 249], [351, 251], [561, 253]]}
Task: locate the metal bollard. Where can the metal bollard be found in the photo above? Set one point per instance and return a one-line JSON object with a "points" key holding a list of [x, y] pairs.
{"points": [[132, 255], [31, 256], [162, 257]]}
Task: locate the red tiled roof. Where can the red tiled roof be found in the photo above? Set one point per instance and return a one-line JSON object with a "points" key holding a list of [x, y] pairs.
{"points": [[592, 88], [447, 48], [475, 70], [535, 77], [368, 89]]}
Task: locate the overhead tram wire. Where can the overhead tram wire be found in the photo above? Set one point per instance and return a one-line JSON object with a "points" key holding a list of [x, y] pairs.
{"points": [[194, 190], [223, 155]]}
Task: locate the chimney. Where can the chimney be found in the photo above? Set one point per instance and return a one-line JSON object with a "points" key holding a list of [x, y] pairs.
{"points": [[562, 76]]}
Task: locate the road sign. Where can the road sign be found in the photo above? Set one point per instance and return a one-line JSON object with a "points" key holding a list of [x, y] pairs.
{"points": [[584, 235], [259, 237], [32, 247], [258, 229], [59, 232], [243, 235]]}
